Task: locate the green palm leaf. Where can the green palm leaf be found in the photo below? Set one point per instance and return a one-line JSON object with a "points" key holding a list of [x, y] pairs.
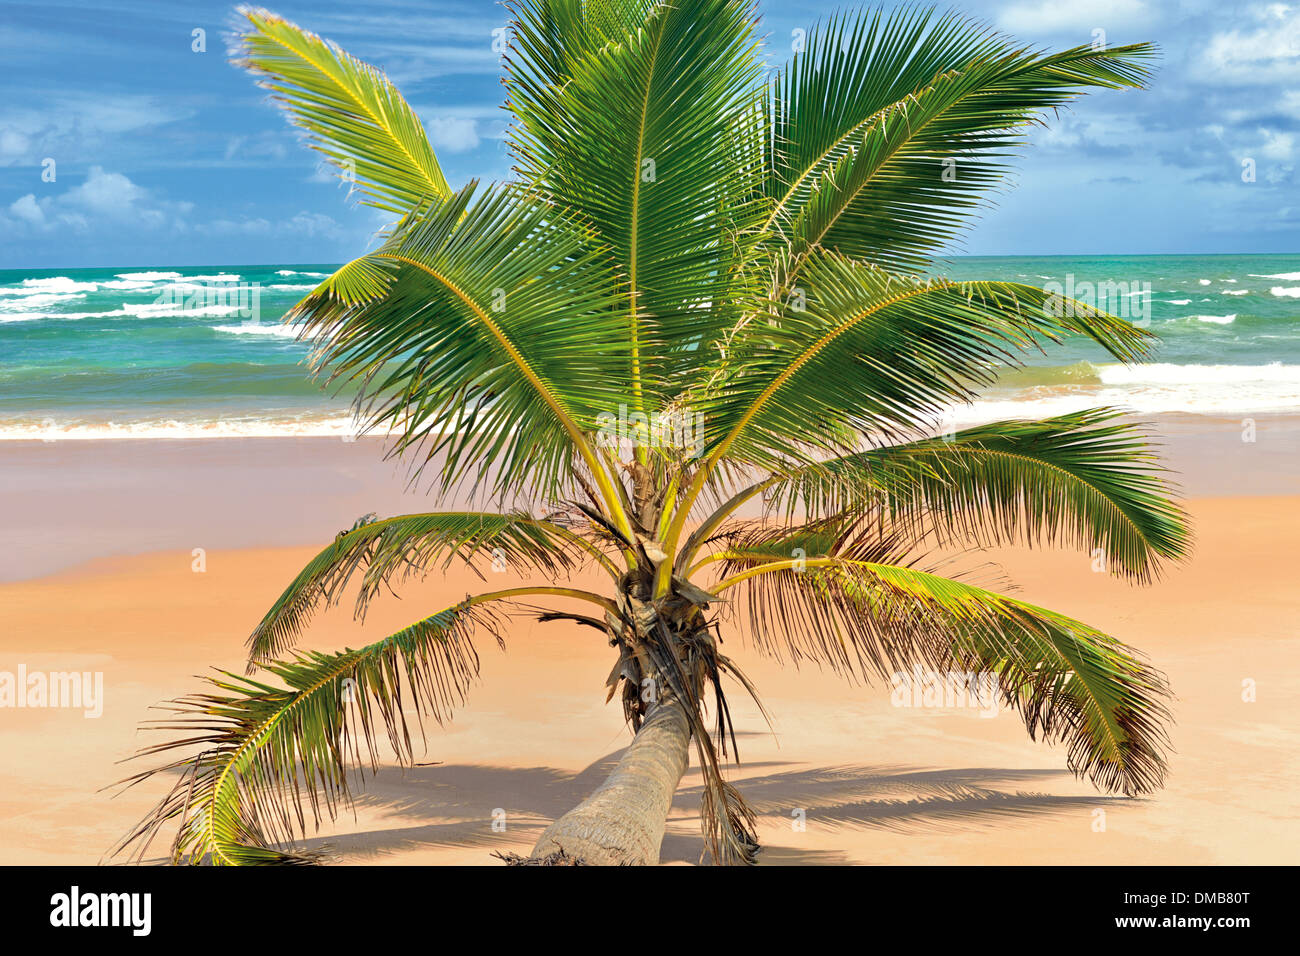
{"points": [[267, 751], [1079, 479], [886, 131], [641, 136], [685, 236], [399, 547], [864, 350], [1071, 682], [483, 330], [349, 110]]}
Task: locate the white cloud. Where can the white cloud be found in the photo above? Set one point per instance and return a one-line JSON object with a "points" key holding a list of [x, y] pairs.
{"points": [[304, 225], [1268, 53], [111, 194], [315, 224], [14, 145], [1078, 16], [75, 124], [1072, 131], [28, 209], [104, 198], [110, 203], [1277, 145], [452, 134], [264, 145], [1290, 103]]}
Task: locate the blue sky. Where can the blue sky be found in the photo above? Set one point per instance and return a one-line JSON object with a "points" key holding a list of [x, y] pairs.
{"points": [[166, 156]]}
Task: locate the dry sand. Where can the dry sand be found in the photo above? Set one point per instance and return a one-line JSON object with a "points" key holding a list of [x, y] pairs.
{"points": [[873, 783]]}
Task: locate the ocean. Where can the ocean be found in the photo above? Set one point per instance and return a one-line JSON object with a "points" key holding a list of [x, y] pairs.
{"points": [[173, 352]]}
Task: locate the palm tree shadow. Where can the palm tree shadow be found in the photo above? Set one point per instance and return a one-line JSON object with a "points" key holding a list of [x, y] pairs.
{"points": [[504, 808], [900, 799]]}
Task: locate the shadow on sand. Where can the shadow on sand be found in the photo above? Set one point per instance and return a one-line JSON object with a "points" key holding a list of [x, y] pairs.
{"points": [[466, 798]]}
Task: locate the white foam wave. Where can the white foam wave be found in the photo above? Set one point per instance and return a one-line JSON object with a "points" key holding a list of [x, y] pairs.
{"points": [[1286, 276], [1166, 373], [1291, 292], [145, 310], [128, 285], [55, 284], [52, 431], [40, 300], [148, 276], [1215, 319], [281, 331], [149, 309], [1159, 388], [291, 272]]}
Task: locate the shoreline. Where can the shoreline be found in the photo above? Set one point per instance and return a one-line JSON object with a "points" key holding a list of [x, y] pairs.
{"points": [[339, 425]]}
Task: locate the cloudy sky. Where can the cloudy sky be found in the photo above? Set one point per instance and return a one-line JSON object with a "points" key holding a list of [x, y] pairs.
{"points": [[167, 156]]}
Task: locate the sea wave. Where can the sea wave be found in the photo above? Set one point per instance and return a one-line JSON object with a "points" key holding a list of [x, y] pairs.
{"points": [[1290, 292], [1156, 388], [148, 275], [1032, 377], [1286, 276], [283, 331], [53, 431], [59, 284], [129, 285], [142, 310], [1165, 373], [39, 299]]}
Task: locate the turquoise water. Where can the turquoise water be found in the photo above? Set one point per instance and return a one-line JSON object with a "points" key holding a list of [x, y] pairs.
{"points": [[153, 352], [172, 351]]}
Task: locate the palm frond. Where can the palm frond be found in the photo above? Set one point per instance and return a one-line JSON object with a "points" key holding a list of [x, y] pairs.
{"points": [[649, 131], [394, 549], [1071, 682], [350, 111], [266, 753], [1080, 479], [483, 332], [888, 129], [867, 351]]}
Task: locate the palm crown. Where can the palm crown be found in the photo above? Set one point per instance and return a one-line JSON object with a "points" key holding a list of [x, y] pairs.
{"points": [[690, 240]]}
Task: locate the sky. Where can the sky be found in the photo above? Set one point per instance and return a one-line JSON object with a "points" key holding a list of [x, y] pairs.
{"points": [[123, 145]]}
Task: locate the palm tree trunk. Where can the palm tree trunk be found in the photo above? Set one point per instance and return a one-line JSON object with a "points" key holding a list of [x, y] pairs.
{"points": [[623, 822]]}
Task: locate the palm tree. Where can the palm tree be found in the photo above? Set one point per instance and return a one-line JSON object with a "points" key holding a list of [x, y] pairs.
{"points": [[700, 297]]}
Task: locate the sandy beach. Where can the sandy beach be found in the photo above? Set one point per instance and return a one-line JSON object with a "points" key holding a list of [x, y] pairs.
{"points": [[99, 576]]}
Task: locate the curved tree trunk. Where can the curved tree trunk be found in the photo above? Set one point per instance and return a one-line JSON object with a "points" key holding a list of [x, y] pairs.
{"points": [[623, 822]]}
